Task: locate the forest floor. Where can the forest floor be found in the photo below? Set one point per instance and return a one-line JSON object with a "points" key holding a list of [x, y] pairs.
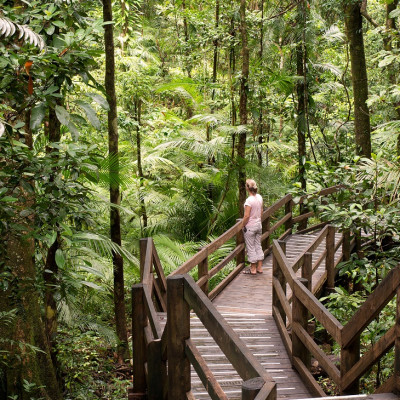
{"points": [[89, 367]]}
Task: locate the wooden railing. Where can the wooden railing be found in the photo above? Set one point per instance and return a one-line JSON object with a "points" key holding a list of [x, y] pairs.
{"points": [[272, 221], [153, 347], [296, 314], [148, 338]]}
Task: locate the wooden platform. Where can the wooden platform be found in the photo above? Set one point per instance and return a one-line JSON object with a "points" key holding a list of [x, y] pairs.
{"points": [[246, 304], [249, 298]]}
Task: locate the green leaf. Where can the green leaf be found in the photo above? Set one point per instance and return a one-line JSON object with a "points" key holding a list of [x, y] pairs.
{"points": [[60, 259], [90, 113], [63, 115], [50, 30], [92, 285], [99, 100], [37, 116], [9, 199], [395, 13]]}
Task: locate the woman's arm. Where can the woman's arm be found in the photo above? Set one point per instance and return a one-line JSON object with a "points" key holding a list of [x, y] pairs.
{"points": [[246, 216]]}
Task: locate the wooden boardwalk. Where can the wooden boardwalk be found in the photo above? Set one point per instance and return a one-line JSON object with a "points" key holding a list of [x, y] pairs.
{"points": [[246, 304]]}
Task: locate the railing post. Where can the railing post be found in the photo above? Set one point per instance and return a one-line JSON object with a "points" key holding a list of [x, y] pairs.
{"points": [[397, 344], [357, 234], [289, 209], [143, 247], [300, 315], [348, 358], [306, 270], [330, 259], [251, 388], [278, 274], [266, 224], [203, 271], [346, 245], [155, 367], [240, 240], [139, 322], [303, 209], [178, 331]]}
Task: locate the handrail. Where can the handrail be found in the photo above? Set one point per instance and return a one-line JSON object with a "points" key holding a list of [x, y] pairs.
{"points": [[301, 346], [288, 220]]}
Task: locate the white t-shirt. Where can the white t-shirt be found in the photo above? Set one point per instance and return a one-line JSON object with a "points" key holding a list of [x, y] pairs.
{"points": [[256, 203]]}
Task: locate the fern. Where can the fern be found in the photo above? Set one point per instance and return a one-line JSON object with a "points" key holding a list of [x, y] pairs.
{"points": [[9, 28], [2, 129]]}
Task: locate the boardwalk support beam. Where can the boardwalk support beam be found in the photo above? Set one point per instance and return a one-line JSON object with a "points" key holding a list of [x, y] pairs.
{"points": [[251, 388], [178, 331], [139, 322]]}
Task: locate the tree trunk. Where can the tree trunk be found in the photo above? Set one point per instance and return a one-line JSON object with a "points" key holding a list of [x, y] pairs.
{"points": [[143, 212], [50, 274], [301, 98], [261, 116], [115, 226], [27, 328], [186, 33], [391, 30], [354, 33], [215, 60], [241, 147], [232, 69]]}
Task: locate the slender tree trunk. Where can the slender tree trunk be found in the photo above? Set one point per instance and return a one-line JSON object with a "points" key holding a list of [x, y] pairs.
{"points": [[115, 225], [50, 274], [138, 112], [261, 116], [354, 33], [301, 99], [391, 29], [186, 34], [241, 147], [215, 59], [17, 267], [232, 70]]}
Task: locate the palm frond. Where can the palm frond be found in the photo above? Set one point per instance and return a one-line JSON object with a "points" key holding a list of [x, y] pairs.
{"points": [[102, 245], [9, 28], [334, 34], [329, 67]]}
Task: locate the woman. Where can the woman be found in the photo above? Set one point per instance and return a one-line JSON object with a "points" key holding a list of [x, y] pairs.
{"points": [[253, 208]]}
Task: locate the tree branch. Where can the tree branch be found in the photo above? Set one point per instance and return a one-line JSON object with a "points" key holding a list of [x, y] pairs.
{"points": [[364, 13]]}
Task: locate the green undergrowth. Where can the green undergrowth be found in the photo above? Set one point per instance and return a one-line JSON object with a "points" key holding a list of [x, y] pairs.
{"points": [[88, 366]]}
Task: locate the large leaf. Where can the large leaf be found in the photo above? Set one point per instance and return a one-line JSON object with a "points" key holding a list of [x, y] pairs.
{"points": [[37, 116], [60, 259], [99, 99], [90, 113], [66, 119], [63, 115]]}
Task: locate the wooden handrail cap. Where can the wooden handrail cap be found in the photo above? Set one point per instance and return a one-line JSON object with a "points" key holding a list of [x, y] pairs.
{"points": [[253, 384]]}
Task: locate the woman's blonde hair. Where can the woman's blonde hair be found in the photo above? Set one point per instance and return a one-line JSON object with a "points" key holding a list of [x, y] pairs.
{"points": [[251, 185]]}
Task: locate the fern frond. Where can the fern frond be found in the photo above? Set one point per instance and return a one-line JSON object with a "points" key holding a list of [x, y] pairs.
{"points": [[9, 28], [334, 33]]}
